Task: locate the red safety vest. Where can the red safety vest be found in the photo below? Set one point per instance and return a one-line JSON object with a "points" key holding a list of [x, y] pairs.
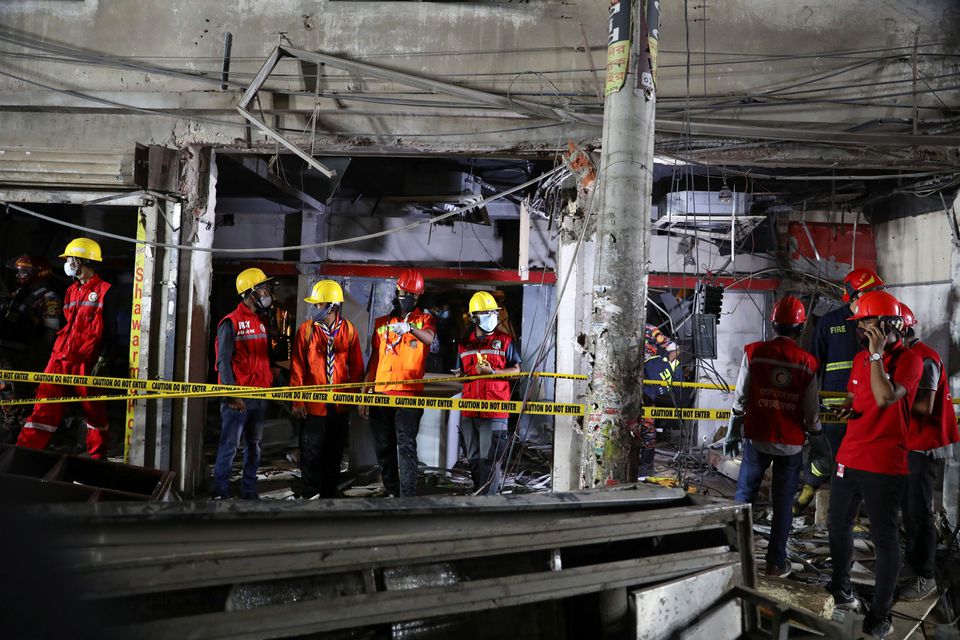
{"points": [[251, 352], [939, 428], [494, 348], [81, 338], [780, 372]]}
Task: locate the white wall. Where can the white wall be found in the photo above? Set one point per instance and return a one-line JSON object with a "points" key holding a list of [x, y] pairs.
{"points": [[913, 257]]}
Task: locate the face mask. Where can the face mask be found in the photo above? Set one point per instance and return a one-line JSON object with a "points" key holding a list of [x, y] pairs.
{"points": [[70, 268], [488, 323], [862, 337], [406, 303], [323, 312], [443, 315], [265, 302]]}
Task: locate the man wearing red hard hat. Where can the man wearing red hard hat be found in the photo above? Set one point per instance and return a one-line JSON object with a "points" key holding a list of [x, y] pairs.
{"points": [[834, 344], [930, 438], [872, 460], [401, 343], [775, 408]]}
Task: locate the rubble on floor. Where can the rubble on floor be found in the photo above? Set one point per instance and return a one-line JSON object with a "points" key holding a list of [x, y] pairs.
{"points": [[808, 550]]}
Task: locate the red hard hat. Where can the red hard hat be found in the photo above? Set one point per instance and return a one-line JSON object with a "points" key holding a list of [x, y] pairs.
{"points": [[909, 320], [877, 304], [788, 310], [411, 281], [37, 265], [859, 280]]}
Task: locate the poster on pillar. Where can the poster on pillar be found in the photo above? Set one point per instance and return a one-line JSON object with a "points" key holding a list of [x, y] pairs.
{"points": [[136, 312], [618, 46]]}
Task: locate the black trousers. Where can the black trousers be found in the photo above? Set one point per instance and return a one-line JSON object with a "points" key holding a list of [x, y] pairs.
{"points": [[395, 439], [882, 494], [322, 441], [918, 516]]}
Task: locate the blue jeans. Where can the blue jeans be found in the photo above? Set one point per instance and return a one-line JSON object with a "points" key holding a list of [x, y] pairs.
{"points": [[486, 471], [250, 424], [786, 474]]}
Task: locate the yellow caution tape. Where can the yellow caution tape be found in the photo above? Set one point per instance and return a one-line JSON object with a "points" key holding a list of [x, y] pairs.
{"points": [[668, 413], [171, 386], [689, 385], [162, 389]]}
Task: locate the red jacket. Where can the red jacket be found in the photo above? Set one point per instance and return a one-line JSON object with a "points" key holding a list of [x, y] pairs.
{"points": [[780, 372], [251, 351], [308, 367], [494, 347], [939, 428], [81, 338]]}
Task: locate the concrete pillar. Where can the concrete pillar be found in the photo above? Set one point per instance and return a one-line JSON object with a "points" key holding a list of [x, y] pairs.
{"points": [[199, 187], [620, 280], [572, 323]]}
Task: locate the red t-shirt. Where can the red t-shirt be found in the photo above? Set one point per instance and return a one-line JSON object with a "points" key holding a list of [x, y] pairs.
{"points": [[876, 441]]}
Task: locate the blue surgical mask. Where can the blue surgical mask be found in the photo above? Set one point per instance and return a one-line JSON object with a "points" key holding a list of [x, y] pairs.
{"points": [[319, 313]]}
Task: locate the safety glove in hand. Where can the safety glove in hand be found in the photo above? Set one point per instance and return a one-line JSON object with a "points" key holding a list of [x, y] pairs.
{"points": [[733, 443], [399, 328]]}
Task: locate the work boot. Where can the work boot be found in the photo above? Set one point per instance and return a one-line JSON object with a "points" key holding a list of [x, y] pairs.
{"points": [[878, 628], [646, 462], [918, 588], [774, 571], [804, 499]]}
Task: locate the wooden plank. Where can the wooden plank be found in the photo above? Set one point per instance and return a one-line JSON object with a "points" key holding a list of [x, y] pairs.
{"points": [[315, 616]]}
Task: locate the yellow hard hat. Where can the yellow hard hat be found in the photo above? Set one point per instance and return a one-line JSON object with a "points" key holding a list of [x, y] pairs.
{"points": [[83, 248], [482, 301], [249, 278], [325, 291]]}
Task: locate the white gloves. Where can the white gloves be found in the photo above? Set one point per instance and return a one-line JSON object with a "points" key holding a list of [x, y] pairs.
{"points": [[399, 328]]}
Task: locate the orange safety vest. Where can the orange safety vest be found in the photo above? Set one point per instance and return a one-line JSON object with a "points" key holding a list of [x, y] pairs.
{"points": [[401, 357], [308, 367]]}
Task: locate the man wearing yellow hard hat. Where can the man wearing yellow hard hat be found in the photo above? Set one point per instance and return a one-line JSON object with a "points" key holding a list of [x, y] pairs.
{"points": [[243, 358], [486, 351], [326, 350], [79, 349]]}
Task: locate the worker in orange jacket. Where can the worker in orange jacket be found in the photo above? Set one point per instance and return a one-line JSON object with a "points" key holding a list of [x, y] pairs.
{"points": [[326, 350], [401, 343]]}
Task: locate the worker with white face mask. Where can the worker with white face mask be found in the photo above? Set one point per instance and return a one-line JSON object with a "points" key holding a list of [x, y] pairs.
{"points": [[484, 351]]}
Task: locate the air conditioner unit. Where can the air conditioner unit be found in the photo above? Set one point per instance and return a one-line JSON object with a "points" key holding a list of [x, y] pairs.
{"points": [[704, 203]]}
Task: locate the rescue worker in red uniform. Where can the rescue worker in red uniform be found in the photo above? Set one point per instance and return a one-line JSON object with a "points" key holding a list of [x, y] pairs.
{"points": [[776, 406], [82, 347], [872, 462], [243, 358], [486, 350], [326, 350], [930, 439], [400, 345], [29, 321], [835, 343]]}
